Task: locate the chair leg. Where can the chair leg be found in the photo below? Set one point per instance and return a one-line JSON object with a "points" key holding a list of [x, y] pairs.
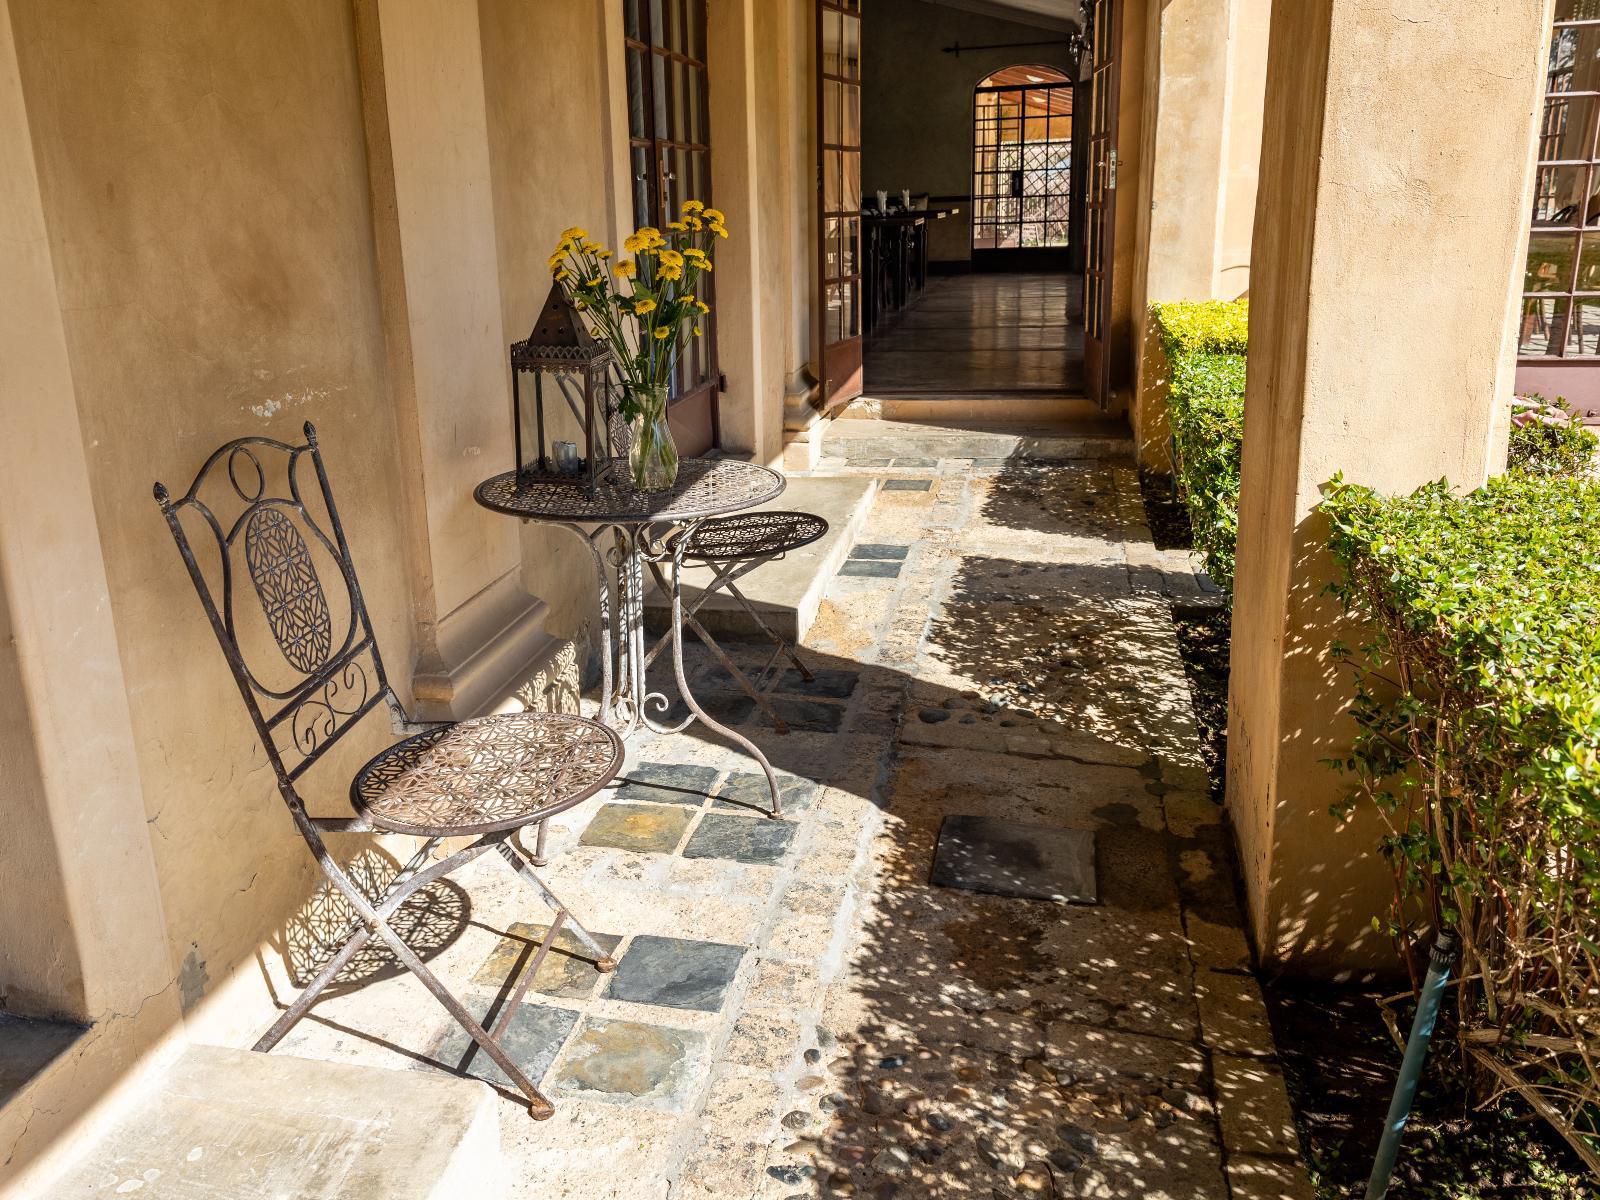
{"points": [[538, 1106], [523, 867], [784, 645], [312, 990], [540, 859]]}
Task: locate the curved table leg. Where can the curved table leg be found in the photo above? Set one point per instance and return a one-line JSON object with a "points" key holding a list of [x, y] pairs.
{"points": [[683, 683]]}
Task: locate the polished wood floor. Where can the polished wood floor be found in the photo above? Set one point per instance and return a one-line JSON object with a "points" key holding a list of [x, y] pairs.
{"points": [[983, 334]]}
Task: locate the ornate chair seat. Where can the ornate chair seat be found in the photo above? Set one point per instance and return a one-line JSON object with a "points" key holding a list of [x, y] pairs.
{"points": [[486, 775], [755, 535]]}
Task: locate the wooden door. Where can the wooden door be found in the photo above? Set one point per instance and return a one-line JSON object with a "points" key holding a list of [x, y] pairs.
{"points": [[669, 135], [836, 314], [1100, 207]]}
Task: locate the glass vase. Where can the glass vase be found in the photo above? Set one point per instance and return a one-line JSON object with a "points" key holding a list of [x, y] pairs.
{"points": [[652, 454]]}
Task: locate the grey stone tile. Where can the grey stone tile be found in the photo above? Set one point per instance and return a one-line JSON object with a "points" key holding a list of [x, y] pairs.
{"points": [[913, 461], [907, 485], [747, 791], [567, 971], [630, 1062], [532, 1040], [1008, 858], [676, 972], [871, 569], [668, 783], [752, 840], [648, 828], [881, 550], [835, 685]]}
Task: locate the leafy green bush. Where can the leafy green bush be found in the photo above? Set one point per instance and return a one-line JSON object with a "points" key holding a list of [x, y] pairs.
{"points": [[1549, 439], [1478, 715], [1205, 343]]}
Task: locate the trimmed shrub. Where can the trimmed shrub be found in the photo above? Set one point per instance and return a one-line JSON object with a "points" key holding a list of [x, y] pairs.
{"points": [[1205, 343], [1549, 439], [1478, 715]]}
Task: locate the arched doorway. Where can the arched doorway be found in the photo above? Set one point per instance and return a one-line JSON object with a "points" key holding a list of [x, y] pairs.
{"points": [[1021, 167]]}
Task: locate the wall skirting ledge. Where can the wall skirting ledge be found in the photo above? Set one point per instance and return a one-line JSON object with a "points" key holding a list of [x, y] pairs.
{"points": [[487, 649]]}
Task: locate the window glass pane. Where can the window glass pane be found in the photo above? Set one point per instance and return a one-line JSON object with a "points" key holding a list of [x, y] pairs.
{"points": [[1583, 329], [1543, 328], [695, 39], [1558, 196], [830, 41], [1578, 10], [1567, 129], [830, 181], [657, 31], [630, 19], [831, 130], [852, 48], [852, 116], [1589, 265], [850, 181], [849, 240], [1549, 263], [1574, 59], [853, 311], [641, 183]]}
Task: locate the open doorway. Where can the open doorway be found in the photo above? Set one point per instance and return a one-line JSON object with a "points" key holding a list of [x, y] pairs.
{"points": [[971, 211]]}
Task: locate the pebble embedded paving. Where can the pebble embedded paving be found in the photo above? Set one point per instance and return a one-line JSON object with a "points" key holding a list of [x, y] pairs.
{"points": [[802, 1012]]}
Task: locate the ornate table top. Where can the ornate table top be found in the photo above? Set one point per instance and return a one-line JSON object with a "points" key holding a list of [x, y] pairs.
{"points": [[705, 487]]}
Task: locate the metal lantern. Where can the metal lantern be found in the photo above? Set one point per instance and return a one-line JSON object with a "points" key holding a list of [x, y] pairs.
{"points": [[562, 351]]}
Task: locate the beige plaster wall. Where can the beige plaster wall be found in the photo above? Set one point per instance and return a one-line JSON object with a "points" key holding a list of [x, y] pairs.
{"points": [[1348, 372], [203, 178], [1204, 73], [550, 174]]}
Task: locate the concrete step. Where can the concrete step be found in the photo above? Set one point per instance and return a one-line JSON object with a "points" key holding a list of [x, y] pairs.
{"points": [[945, 410], [788, 592], [878, 442], [234, 1125]]}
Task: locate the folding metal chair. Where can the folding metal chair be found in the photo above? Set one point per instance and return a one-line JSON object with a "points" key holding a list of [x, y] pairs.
{"points": [[484, 778], [732, 547]]}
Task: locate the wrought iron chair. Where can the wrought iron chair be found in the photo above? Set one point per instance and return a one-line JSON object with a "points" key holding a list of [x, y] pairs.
{"points": [[483, 778], [732, 547]]}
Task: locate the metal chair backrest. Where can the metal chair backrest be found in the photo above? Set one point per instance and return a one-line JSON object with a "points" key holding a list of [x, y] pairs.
{"points": [[325, 673]]}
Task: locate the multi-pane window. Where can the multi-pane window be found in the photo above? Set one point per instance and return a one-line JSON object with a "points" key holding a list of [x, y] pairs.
{"points": [[840, 146], [1022, 160], [1561, 285], [669, 137]]}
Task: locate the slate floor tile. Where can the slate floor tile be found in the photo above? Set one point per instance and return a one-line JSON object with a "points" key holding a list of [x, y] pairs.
{"points": [[870, 568], [835, 685], [627, 1062], [907, 485], [881, 550], [752, 840], [676, 972], [747, 791], [667, 783], [648, 828], [567, 971], [1009, 858], [532, 1040]]}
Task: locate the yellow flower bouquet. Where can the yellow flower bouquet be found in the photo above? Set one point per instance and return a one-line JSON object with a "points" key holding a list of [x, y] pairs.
{"points": [[645, 307]]}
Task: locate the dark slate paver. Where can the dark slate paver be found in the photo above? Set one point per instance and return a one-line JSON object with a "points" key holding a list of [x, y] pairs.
{"points": [[747, 791], [532, 1040], [1009, 858], [835, 685], [668, 783], [907, 485], [676, 972], [745, 839], [871, 569], [881, 550]]}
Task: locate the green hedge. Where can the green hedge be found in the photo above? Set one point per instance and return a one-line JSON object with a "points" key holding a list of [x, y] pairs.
{"points": [[1478, 716], [1549, 439], [1205, 343]]}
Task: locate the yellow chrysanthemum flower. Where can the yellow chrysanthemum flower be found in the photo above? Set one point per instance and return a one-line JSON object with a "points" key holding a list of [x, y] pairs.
{"points": [[672, 258], [625, 268], [696, 224], [592, 247], [715, 216], [702, 306], [595, 282], [670, 274], [642, 307], [574, 234], [563, 275], [697, 331], [720, 230], [677, 227], [693, 206], [663, 334], [604, 254]]}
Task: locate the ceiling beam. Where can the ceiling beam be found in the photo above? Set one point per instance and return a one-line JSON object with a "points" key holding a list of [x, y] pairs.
{"points": [[1004, 12]]}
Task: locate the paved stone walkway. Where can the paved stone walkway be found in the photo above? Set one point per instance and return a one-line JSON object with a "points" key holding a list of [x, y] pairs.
{"points": [[797, 1011]]}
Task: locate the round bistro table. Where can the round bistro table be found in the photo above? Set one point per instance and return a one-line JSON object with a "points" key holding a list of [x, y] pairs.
{"points": [[646, 530]]}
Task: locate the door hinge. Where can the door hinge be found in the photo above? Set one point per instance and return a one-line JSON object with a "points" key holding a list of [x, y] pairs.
{"points": [[722, 382], [1111, 178]]}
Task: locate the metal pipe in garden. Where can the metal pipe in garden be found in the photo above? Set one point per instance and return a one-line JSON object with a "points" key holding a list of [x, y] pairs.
{"points": [[1405, 1088]]}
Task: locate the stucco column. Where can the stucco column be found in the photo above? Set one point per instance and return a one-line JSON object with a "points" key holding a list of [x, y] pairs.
{"points": [[1396, 174], [752, 420], [422, 86]]}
